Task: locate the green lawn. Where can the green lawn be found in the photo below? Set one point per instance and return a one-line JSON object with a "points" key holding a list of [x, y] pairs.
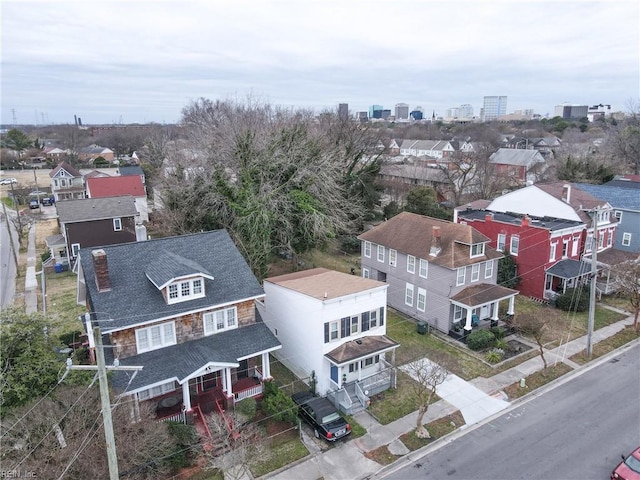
{"points": [[281, 450]]}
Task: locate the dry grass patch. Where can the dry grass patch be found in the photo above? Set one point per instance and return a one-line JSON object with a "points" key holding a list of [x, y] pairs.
{"points": [[628, 334], [393, 404], [437, 429], [382, 455], [537, 380]]}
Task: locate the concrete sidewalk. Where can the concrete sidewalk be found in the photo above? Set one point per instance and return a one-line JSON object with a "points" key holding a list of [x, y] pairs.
{"points": [[477, 400], [30, 280]]}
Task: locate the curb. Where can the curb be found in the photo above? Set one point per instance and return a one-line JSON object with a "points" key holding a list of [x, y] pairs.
{"points": [[450, 437]]}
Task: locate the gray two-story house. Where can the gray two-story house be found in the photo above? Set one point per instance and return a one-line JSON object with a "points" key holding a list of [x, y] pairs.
{"points": [[438, 272]]}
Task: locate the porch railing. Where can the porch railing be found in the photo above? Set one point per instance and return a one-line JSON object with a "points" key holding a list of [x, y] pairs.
{"points": [[249, 392], [204, 421], [379, 379], [257, 373], [227, 421], [364, 400], [176, 417]]}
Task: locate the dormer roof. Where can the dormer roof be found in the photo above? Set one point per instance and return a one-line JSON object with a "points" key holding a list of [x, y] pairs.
{"points": [[169, 267], [72, 171]]}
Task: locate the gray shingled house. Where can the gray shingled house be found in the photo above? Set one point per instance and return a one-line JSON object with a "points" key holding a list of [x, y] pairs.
{"points": [[184, 309], [439, 272]]}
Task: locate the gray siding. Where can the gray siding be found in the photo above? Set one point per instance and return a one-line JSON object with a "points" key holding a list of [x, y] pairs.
{"points": [[440, 285], [630, 223]]}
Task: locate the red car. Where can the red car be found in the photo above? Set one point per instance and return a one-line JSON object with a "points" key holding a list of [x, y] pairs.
{"points": [[629, 468]]}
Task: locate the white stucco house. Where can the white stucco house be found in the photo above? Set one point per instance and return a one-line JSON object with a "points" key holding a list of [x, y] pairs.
{"points": [[334, 325]]}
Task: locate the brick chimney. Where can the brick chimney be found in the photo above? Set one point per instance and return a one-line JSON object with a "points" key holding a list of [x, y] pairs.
{"points": [[101, 270], [525, 221], [435, 241], [566, 193], [488, 217]]}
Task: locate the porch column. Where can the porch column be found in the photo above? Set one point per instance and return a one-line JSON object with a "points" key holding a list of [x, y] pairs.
{"points": [[227, 381], [467, 324], [494, 315], [186, 397], [512, 305], [266, 367]]}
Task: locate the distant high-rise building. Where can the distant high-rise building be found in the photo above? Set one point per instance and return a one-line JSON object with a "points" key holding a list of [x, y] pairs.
{"points": [[362, 117], [343, 110], [571, 112], [375, 111], [599, 111], [466, 110], [416, 114], [385, 114], [402, 111], [493, 107], [452, 112]]}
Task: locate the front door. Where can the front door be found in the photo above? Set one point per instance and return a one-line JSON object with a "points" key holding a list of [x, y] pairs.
{"points": [[243, 369], [334, 374], [484, 312]]}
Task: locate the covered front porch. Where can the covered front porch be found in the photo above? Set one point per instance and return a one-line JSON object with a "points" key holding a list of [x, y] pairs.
{"points": [[567, 273], [478, 307], [359, 369], [216, 388]]}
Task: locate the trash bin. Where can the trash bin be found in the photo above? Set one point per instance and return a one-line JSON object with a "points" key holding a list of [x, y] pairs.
{"points": [[58, 268], [421, 327]]}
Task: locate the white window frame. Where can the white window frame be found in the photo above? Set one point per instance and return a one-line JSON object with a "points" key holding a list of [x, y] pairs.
{"points": [[175, 291], [408, 294], [366, 273], [514, 251], [626, 239], [565, 248], [367, 249], [423, 268], [477, 246], [373, 319], [144, 337], [75, 248], [501, 242], [552, 251], [157, 390], [117, 224], [421, 305], [488, 269], [458, 313], [381, 253], [460, 276], [574, 246], [609, 238], [600, 239], [229, 317], [393, 257], [475, 272], [588, 246], [354, 324], [618, 214], [333, 331], [411, 264]]}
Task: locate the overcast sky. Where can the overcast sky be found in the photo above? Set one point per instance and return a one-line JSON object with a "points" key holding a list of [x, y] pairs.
{"points": [[110, 61]]}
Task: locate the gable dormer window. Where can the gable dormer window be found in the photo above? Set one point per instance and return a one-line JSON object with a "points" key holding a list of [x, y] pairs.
{"points": [[477, 250], [184, 290]]}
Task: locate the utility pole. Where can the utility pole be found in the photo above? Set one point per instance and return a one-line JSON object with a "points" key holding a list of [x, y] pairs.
{"points": [[104, 398], [594, 273], [15, 205], [35, 178]]}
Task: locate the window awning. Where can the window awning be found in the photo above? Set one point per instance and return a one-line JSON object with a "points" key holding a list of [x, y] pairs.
{"points": [[569, 268], [360, 348], [482, 294]]}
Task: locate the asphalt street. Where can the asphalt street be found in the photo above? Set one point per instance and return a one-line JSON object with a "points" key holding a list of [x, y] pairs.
{"points": [[7, 265], [577, 430]]}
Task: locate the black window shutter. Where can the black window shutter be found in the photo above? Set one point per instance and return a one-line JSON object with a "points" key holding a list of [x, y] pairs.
{"points": [[326, 332], [365, 321], [345, 328], [381, 316]]}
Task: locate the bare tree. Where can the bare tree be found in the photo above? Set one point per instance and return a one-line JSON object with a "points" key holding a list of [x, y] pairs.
{"points": [[61, 437], [627, 277], [427, 375], [22, 223], [239, 448], [534, 326]]}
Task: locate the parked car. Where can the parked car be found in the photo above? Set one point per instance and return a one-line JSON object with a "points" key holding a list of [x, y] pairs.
{"points": [[322, 415], [48, 201], [33, 203], [8, 181], [629, 468]]}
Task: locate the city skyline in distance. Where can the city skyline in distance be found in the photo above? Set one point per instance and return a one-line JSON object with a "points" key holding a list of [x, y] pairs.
{"points": [[144, 61]]}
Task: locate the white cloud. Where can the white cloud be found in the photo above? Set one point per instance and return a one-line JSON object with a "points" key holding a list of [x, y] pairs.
{"points": [[149, 58]]}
